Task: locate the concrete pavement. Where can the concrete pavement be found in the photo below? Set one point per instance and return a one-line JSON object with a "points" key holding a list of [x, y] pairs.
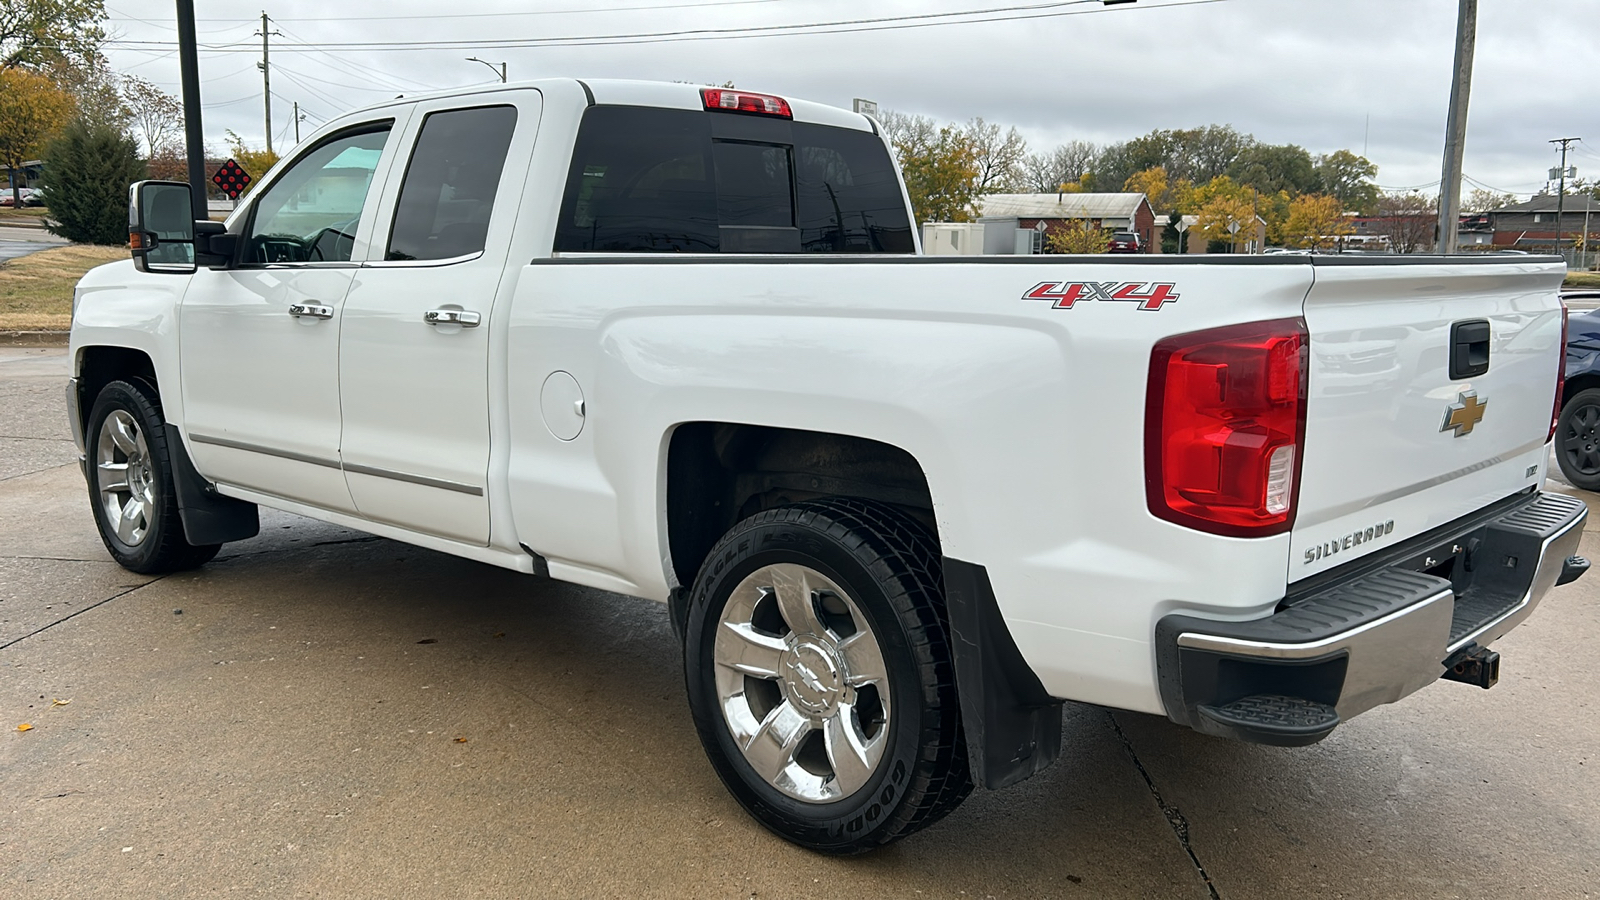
{"points": [[332, 714]]}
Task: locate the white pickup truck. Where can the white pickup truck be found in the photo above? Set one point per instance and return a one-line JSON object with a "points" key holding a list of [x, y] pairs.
{"points": [[679, 343]]}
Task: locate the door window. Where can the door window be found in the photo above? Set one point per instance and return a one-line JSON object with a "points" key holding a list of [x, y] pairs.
{"points": [[450, 185], [310, 214]]}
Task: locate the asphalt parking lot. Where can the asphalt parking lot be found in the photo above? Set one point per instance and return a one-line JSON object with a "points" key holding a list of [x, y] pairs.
{"points": [[322, 713]]}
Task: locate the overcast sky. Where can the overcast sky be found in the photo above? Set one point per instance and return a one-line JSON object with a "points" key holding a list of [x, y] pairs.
{"points": [[1324, 74]]}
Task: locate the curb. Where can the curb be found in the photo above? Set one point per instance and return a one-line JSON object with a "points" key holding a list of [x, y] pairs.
{"points": [[35, 338]]}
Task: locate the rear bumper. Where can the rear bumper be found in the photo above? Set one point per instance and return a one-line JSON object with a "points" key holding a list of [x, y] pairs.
{"points": [[1371, 632]]}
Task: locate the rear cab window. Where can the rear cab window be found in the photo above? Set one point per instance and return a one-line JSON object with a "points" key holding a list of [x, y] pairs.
{"points": [[647, 180]]}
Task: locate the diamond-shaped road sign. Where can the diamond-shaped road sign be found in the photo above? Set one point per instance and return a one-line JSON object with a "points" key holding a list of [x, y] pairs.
{"points": [[232, 178]]}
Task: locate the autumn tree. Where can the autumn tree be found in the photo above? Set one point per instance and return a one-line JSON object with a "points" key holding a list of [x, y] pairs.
{"points": [[38, 33], [1078, 236], [1348, 178], [157, 114], [1219, 203], [1481, 201], [255, 162], [939, 164], [1156, 187], [999, 155], [1409, 220], [1316, 221], [32, 110], [95, 91], [90, 169]]}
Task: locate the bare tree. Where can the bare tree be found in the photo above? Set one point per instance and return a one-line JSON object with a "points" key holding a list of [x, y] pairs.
{"points": [[1045, 172], [1407, 220], [158, 114], [1000, 155]]}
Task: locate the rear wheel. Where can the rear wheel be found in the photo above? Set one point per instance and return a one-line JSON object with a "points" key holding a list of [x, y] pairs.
{"points": [[819, 674], [130, 484], [1578, 440]]}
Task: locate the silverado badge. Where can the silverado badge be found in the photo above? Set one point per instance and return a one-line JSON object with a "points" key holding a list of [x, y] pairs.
{"points": [[1466, 412]]}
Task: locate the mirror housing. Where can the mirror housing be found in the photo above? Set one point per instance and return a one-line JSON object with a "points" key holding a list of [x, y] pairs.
{"points": [[215, 248], [161, 227]]}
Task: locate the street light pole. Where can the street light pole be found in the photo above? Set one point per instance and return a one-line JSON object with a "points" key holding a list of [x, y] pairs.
{"points": [[194, 137], [498, 70], [1455, 138]]}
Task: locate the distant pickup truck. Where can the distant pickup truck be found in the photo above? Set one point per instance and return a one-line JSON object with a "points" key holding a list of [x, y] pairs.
{"points": [[679, 343]]}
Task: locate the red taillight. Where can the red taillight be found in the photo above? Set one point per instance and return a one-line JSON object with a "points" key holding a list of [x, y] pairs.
{"points": [[1561, 375], [1225, 422], [723, 100]]}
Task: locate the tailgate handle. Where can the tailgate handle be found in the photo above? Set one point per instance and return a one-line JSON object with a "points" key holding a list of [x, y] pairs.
{"points": [[1469, 349]]}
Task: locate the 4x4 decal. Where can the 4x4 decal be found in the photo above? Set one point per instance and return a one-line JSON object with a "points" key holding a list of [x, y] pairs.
{"points": [[1150, 296]]}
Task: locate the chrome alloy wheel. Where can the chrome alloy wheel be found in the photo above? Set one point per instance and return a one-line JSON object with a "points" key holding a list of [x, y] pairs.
{"points": [[802, 683], [124, 476]]}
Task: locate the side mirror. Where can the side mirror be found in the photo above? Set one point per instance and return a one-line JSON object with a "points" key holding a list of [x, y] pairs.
{"points": [[161, 227]]}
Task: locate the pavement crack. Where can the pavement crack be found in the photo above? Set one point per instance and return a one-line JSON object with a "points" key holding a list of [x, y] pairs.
{"points": [[80, 612], [1174, 816]]}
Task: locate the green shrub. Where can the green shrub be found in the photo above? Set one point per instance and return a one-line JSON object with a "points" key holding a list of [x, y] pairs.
{"points": [[87, 172]]}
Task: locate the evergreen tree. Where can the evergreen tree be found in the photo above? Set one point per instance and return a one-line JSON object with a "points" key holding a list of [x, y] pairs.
{"points": [[87, 172]]}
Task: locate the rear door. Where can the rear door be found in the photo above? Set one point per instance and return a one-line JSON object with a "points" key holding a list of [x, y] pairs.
{"points": [[1430, 394], [414, 346]]}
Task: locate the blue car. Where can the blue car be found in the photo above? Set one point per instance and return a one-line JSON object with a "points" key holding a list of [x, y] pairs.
{"points": [[1578, 432]]}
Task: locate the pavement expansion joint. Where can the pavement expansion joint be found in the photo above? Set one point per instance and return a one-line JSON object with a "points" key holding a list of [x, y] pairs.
{"points": [[1174, 816], [95, 605]]}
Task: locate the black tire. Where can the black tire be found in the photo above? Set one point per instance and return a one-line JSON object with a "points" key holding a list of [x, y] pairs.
{"points": [[1578, 439], [160, 547], [890, 566]]}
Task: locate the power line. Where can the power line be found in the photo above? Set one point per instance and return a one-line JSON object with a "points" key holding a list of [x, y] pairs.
{"points": [[855, 26], [537, 12]]}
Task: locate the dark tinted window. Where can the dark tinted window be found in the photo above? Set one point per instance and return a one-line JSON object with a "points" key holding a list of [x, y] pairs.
{"points": [[454, 173], [658, 180]]}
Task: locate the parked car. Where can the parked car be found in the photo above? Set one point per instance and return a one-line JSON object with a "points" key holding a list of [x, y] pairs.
{"points": [[1577, 438], [30, 197], [679, 343], [1124, 242]]}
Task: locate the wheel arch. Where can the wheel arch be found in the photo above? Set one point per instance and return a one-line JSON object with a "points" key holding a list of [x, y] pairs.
{"points": [[718, 473]]}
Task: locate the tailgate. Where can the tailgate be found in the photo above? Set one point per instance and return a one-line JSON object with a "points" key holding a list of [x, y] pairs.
{"points": [[1394, 444]]}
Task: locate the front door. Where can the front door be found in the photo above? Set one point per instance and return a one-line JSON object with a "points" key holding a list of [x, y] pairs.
{"points": [[414, 342], [259, 342]]}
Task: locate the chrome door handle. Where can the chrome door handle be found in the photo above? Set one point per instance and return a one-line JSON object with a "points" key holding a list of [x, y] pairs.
{"points": [[310, 311], [466, 318]]}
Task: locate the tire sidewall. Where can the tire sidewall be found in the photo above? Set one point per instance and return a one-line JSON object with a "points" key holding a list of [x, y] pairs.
{"points": [[119, 395], [842, 824], [1584, 398]]}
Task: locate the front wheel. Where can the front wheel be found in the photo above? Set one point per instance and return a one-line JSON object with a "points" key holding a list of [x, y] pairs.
{"points": [[1578, 439], [820, 678], [130, 484]]}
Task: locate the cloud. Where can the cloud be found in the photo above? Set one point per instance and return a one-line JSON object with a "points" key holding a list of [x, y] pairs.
{"points": [[1324, 74]]}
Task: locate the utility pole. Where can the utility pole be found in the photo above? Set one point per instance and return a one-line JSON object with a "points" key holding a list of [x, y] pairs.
{"points": [[1455, 138], [1561, 191], [193, 137], [297, 123], [266, 74]]}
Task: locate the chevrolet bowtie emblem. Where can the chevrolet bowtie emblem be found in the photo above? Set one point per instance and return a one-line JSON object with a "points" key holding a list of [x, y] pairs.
{"points": [[1467, 412]]}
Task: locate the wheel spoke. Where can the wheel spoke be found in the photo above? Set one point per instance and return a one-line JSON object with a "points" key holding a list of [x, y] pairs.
{"points": [[113, 476], [1591, 460], [771, 749], [852, 760], [739, 646], [128, 522], [796, 601], [122, 434], [863, 660]]}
